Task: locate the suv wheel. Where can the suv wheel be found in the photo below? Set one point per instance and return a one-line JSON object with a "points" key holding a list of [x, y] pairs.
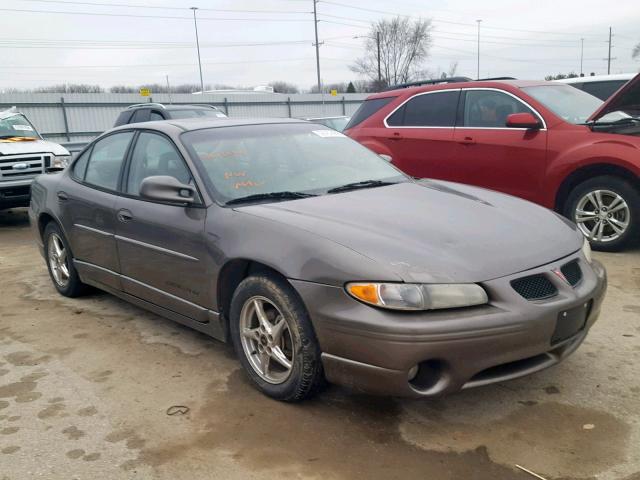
{"points": [[607, 211], [60, 263], [274, 339]]}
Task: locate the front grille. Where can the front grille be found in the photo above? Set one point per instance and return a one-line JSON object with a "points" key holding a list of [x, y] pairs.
{"points": [[35, 165], [572, 272], [535, 287]]}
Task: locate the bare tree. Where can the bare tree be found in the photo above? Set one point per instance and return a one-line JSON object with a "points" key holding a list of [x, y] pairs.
{"points": [[283, 87], [404, 46]]}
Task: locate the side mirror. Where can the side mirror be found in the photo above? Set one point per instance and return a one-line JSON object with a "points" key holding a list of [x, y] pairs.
{"points": [[523, 120], [163, 188]]}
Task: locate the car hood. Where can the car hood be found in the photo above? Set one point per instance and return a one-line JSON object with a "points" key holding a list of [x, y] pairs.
{"points": [[31, 146], [627, 99], [433, 231]]}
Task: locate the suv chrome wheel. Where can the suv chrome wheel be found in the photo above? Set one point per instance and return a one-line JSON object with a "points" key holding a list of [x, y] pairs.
{"points": [[602, 215], [58, 260], [266, 340]]}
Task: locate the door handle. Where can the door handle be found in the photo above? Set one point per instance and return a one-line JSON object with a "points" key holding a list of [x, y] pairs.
{"points": [[62, 196], [395, 136], [467, 141], [125, 215]]}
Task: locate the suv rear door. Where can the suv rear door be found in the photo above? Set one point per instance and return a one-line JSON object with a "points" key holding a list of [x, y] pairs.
{"points": [[492, 155], [420, 131]]}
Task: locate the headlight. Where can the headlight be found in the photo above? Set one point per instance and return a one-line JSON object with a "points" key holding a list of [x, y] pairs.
{"points": [[407, 296], [60, 161], [586, 250]]}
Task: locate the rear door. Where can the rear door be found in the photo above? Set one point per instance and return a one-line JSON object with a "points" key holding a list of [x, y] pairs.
{"points": [[161, 246], [419, 133], [87, 207], [492, 155]]}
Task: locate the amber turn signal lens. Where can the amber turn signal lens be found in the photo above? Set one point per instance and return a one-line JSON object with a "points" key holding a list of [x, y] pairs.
{"points": [[366, 292]]}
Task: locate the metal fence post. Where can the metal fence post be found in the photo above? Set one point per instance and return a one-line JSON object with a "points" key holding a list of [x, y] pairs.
{"points": [[66, 120], [344, 107], [289, 106], [226, 106]]}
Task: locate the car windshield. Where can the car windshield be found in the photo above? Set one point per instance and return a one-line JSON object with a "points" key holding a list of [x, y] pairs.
{"points": [[569, 103], [17, 126], [197, 113], [251, 160], [335, 123]]}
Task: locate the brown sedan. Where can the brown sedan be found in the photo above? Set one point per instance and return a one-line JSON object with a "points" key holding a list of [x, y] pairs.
{"points": [[317, 258]]}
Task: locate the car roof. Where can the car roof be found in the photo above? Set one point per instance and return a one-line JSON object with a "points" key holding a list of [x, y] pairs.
{"points": [[323, 118], [598, 78], [458, 85], [190, 124]]}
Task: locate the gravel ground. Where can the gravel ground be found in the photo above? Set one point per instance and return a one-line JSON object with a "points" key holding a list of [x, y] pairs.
{"points": [[87, 386]]}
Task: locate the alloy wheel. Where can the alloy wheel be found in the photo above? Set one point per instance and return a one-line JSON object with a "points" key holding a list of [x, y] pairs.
{"points": [[602, 215], [58, 260], [267, 341]]}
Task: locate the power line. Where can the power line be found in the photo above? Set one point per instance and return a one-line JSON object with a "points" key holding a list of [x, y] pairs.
{"points": [[164, 17], [157, 7]]}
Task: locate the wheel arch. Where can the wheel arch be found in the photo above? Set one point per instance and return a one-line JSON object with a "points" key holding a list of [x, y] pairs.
{"points": [[589, 171], [232, 273]]}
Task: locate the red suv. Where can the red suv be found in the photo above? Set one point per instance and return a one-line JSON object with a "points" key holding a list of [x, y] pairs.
{"points": [[543, 141]]}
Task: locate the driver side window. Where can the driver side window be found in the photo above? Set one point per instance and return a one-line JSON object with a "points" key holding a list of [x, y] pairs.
{"points": [[154, 155], [490, 109]]}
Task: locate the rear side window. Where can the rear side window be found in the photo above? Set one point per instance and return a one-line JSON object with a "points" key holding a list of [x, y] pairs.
{"points": [[123, 118], [368, 108], [437, 109], [140, 115], [602, 90], [80, 165], [155, 116], [106, 160]]}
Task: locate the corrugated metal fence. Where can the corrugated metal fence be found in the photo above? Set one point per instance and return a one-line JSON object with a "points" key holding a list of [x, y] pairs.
{"points": [[79, 117]]}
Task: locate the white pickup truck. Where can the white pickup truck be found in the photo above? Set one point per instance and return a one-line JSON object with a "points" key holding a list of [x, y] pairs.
{"points": [[24, 155]]}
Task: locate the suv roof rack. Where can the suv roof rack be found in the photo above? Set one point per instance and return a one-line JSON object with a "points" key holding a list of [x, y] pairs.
{"points": [[432, 81], [495, 78], [149, 104]]}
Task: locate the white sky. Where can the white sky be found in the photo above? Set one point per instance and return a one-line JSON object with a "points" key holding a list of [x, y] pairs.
{"points": [[38, 49]]}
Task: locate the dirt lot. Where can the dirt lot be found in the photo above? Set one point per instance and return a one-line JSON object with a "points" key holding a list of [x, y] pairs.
{"points": [[86, 386]]}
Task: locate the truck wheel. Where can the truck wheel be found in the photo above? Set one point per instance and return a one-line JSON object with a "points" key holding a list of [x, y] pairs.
{"points": [[60, 263], [607, 211], [274, 339]]}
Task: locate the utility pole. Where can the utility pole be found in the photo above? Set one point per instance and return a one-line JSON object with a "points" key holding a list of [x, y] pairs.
{"points": [[478, 75], [379, 68], [609, 56], [581, 55], [317, 44], [195, 24], [168, 89]]}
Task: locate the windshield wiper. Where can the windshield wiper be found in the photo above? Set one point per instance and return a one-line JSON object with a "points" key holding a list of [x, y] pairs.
{"points": [[270, 196], [362, 184], [621, 121]]}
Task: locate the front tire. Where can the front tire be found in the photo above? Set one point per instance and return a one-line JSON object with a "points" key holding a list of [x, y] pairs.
{"points": [[60, 263], [607, 212], [274, 339]]}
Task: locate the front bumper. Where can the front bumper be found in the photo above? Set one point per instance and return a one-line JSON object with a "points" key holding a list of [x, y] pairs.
{"points": [[373, 350], [14, 195]]}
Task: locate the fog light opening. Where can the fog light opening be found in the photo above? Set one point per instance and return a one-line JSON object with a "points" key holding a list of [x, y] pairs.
{"points": [[427, 374]]}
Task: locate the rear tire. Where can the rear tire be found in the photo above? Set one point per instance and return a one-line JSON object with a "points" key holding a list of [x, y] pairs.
{"points": [[281, 356], [607, 211], [59, 258]]}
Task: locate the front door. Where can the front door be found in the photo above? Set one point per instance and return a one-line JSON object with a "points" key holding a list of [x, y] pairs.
{"points": [[161, 246], [491, 155]]}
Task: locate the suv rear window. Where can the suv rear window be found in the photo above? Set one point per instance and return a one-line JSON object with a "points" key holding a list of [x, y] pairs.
{"points": [[368, 108]]}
